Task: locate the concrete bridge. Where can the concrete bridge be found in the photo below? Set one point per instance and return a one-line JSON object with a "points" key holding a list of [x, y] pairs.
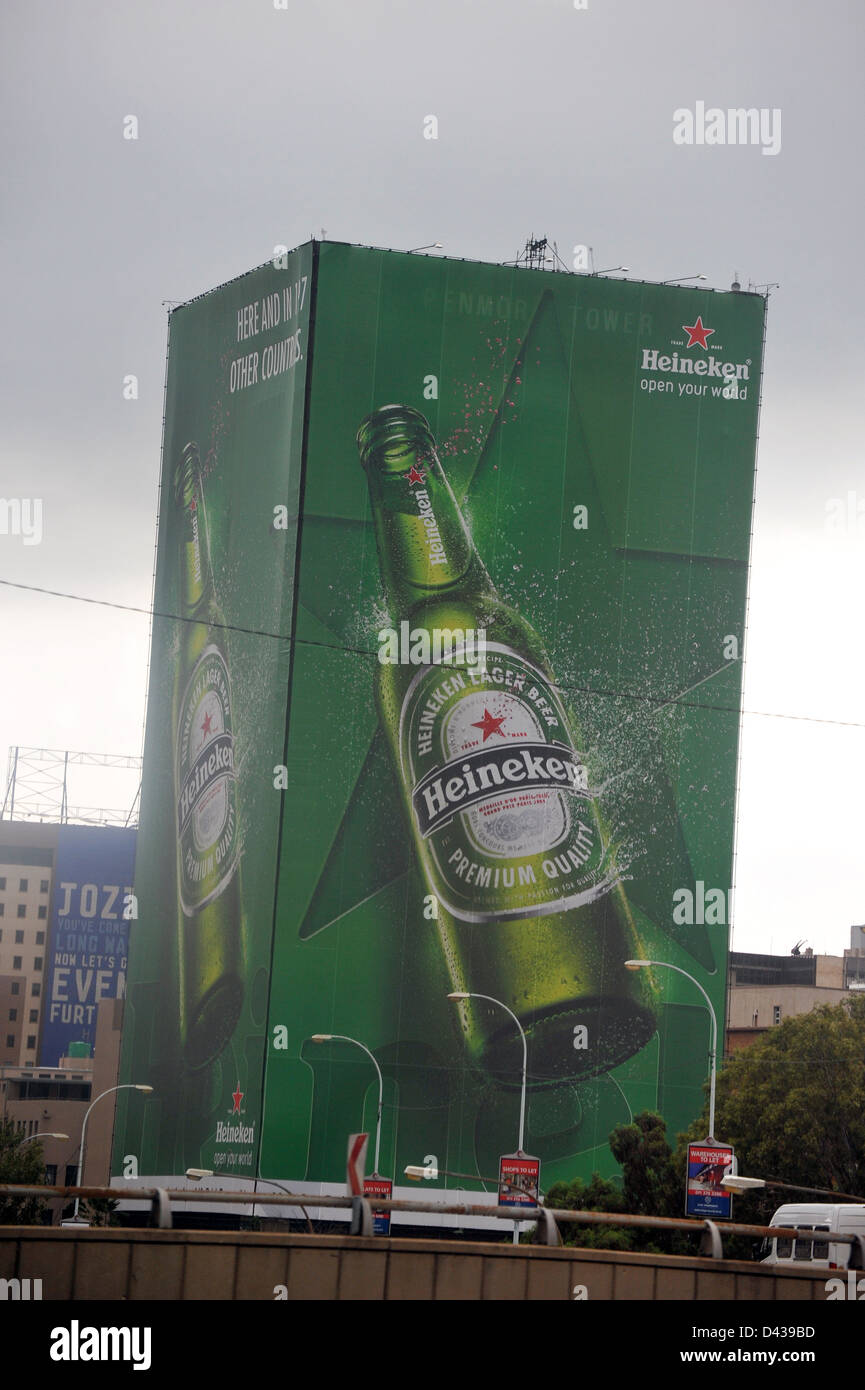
{"points": [[151, 1265]]}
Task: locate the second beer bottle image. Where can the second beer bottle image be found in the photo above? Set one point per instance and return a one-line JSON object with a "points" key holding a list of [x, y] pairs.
{"points": [[530, 909], [208, 839]]}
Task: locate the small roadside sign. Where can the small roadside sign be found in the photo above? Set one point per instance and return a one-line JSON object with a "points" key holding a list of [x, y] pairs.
{"points": [[707, 1165], [519, 1180], [377, 1186]]}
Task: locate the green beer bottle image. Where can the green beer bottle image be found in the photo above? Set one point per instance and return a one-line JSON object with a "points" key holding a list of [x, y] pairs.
{"points": [[208, 841], [510, 841]]}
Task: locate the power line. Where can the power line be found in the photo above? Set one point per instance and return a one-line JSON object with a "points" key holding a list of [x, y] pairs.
{"points": [[662, 702]]}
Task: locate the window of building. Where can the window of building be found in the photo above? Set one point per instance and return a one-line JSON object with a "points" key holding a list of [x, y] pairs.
{"points": [[16, 962], [71, 1175], [43, 885], [10, 1039], [2, 909], [19, 937], [13, 1015], [50, 1174], [2, 882], [37, 962], [42, 913], [776, 1013], [16, 987], [40, 938], [31, 1040], [34, 1015], [35, 989], [22, 910], [23, 884]]}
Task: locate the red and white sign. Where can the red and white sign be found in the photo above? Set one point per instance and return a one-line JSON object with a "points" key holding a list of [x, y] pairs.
{"points": [[519, 1180], [356, 1163], [377, 1186]]}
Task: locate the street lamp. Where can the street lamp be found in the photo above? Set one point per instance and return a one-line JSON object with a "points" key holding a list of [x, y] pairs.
{"points": [[433, 246], [665, 965], [611, 270], [340, 1037], [43, 1135], [682, 278], [737, 1184], [460, 995], [128, 1086], [196, 1174]]}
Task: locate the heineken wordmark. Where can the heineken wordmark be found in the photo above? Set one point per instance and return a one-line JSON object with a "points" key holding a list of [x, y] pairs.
{"points": [[211, 991], [530, 907]]}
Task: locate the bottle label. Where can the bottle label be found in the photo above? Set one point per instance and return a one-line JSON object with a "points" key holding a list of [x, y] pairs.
{"points": [[205, 781], [499, 794]]}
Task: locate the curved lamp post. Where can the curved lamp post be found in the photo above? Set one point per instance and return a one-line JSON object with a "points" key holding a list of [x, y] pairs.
{"points": [[129, 1086], [340, 1037], [665, 965], [458, 995]]}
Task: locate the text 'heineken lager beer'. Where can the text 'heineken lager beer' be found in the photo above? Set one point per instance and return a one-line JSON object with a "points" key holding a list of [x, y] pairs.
{"points": [[510, 841], [208, 843]]}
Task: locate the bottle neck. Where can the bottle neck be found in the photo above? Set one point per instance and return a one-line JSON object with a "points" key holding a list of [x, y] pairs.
{"points": [[424, 546], [196, 583]]}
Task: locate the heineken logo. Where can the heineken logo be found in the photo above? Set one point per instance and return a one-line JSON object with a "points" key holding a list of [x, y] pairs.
{"points": [[466, 782], [196, 547], [720, 377], [234, 1134], [656, 361], [204, 778], [215, 760], [435, 545]]}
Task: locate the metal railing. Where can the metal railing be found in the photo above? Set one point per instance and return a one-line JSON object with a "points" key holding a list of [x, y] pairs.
{"points": [[362, 1210]]}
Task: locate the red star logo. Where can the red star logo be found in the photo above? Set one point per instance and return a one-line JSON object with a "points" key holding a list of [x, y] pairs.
{"points": [[490, 724], [697, 334], [414, 475], [237, 1097], [205, 728]]}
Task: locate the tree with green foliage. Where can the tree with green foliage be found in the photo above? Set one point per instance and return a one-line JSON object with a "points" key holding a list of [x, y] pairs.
{"points": [[20, 1163], [100, 1211], [650, 1185], [793, 1107]]}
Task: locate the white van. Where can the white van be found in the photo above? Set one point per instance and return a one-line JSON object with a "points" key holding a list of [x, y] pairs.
{"points": [[819, 1250]]}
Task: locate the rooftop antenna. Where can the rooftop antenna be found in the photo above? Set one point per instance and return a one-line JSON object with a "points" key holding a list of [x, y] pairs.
{"points": [[539, 254]]}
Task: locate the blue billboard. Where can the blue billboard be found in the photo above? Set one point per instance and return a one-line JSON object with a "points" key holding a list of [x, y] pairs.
{"points": [[88, 944]]}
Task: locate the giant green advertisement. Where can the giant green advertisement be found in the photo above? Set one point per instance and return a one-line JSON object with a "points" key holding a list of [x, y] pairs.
{"points": [[505, 697], [219, 670]]}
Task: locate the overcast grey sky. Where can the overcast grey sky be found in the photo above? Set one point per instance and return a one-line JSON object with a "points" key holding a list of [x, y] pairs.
{"points": [[260, 126]]}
